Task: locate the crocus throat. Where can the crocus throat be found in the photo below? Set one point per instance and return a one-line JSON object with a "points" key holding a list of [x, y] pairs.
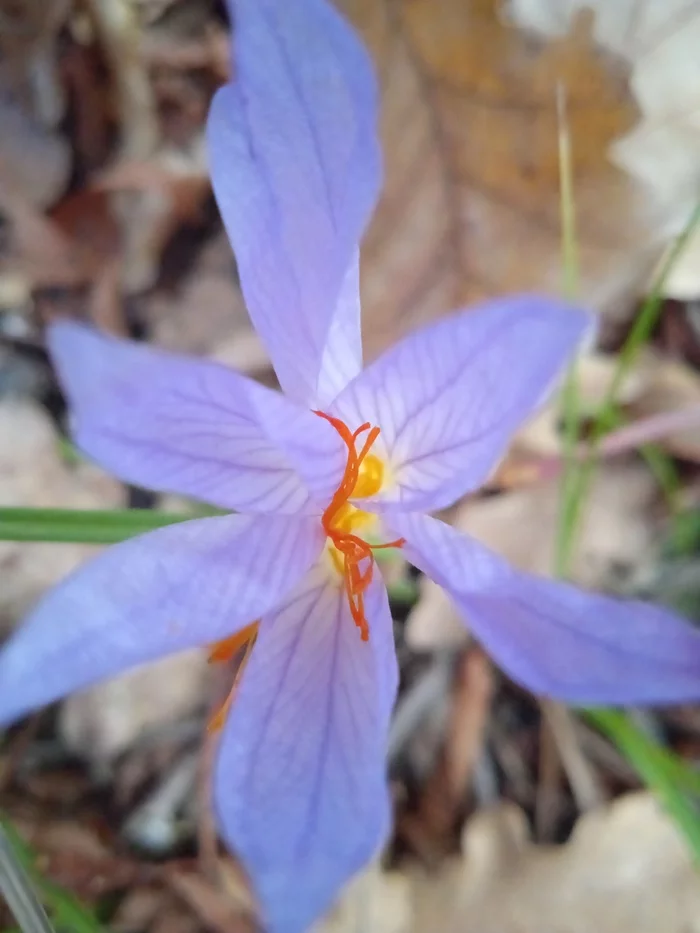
{"points": [[353, 557]]}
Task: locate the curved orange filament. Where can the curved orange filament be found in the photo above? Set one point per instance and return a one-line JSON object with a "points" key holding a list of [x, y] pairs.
{"points": [[355, 551], [226, 650]]}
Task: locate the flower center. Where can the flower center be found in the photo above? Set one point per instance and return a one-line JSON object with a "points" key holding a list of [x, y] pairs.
{"points": [[351, 554]]}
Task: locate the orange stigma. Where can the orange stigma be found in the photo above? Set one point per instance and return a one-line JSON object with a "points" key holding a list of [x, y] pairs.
{"points": [[337, 518]]}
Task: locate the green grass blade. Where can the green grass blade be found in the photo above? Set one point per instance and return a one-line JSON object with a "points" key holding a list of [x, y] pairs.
{"points": [[668, 776], [32, 891], [97, 526], [570, 401], [19, 892]]}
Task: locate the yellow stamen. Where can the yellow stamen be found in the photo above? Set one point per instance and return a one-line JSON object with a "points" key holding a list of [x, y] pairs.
{"points": [[370, 477], [348, 518]]}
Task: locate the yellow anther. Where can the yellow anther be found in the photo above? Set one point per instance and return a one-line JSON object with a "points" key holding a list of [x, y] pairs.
{"points": [[370, 477], [348, 519]]}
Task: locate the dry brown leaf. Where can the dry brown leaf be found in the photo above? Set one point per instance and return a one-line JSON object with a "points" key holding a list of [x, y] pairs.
{"points": [[217, 911], [41, 252], [207, 313], [72, 856], [91, 233], [431, 829], [625, 870], [138, 909], [471, 202], [615, 546], [471, 706], [32, 473]]}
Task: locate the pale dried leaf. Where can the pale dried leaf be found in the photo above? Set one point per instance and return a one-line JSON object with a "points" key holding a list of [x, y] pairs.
{"points": [[595, 372], [32, 473], [616, 540], [615, 548], [101, 723], [433, 621], [624, 869], [245, 352], [673, 387], [683, 283], [374, 902]]}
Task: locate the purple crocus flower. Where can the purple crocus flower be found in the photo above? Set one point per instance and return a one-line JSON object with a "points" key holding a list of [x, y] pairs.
{"points": [[343, 454]]}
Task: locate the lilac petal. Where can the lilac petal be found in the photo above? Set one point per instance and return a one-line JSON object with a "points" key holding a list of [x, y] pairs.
{"points": [[300, 785], [310, 444], [342, 356], [449, 396], [295, 165], [180, 586], [192, 427], [553, 638]]}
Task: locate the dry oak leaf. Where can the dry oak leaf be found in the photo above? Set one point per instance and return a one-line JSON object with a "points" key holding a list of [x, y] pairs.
{"points": [[470, 206], [624, 870], [658, 40]]}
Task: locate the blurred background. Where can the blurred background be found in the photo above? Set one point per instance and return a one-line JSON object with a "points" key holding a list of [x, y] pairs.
{"points": [[511, 815]]}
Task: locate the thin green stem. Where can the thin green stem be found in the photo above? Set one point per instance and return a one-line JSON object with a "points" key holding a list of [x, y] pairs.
{"points": [[570, 400], [669, 776], [607, 416]]}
